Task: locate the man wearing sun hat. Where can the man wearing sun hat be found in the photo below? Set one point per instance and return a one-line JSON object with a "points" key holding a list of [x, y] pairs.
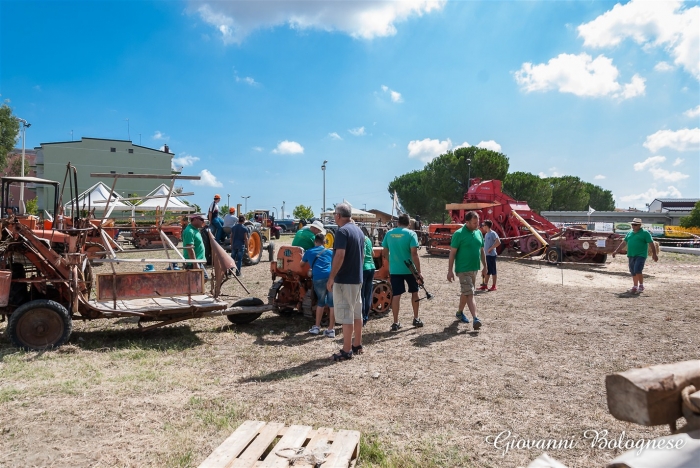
{"points": [[215, 223], [304, 238], [638, 241]]}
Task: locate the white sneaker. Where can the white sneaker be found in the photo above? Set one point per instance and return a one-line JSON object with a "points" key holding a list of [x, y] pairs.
{"points": [[315, 330], [329, 333]]}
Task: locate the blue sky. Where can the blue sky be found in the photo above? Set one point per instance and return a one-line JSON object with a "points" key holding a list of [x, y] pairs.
{"points": [[255, 95]]}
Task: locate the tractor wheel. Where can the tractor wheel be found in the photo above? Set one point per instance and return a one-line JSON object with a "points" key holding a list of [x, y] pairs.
{"points": [[330, 238], [600, 258], [255, 248], [39, 325], [553, 255], [307, 305], [242, 319], [174, 240], [277, 235], [381, 297], [95, 252], [270, 252]]}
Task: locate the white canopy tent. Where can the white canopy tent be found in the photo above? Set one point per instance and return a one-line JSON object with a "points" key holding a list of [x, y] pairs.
{"points": [[157, 199], [97, 196], [357, 214]]}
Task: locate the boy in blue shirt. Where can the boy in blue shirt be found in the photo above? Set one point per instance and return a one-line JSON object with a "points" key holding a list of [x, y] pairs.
{"points": [[320, 260]]}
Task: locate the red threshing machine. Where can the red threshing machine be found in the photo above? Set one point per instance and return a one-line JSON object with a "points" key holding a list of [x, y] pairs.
{"points": [[521, 229]]}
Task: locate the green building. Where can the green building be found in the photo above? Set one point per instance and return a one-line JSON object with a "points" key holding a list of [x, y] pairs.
{"points": [[91, 155]]}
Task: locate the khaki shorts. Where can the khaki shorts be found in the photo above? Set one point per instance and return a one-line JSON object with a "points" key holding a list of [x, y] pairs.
{"points": [[467, 281], [347, 299]]}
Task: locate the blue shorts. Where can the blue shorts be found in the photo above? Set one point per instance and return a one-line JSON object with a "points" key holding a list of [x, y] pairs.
{"points": [[324, 297], [398, 287], [491, 265], [636, 265]]}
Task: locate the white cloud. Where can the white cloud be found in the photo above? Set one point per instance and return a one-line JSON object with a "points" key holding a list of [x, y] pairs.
{"points": [[289, 147], [334, 136], [599, 177], [692, 113], [685, 139], [581, 75], [185, 160], [357, 131], [427, 150], [247, 80], [651, 194], [649, 162], [160, 136], [663, 67], [489, 145], [257, 148], [666, 24], [395, 95], [678, 162], [366, 20], [207, 179], [542, 175]]}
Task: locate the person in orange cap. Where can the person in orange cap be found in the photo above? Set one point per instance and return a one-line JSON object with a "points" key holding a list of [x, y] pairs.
{"points": [[230, 220], [216, 224]]}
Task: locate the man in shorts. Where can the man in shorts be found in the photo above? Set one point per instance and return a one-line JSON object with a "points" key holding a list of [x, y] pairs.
{"points": [[491, 243], [401, 245], [320, 259], [638, 241], [345, 280], [466, 256]]}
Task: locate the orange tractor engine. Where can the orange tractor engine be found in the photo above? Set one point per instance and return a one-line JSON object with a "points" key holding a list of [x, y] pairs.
{"points": [[292, 287]]}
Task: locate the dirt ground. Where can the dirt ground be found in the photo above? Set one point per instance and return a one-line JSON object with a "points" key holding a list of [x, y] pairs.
{"points": [[432, 396]]}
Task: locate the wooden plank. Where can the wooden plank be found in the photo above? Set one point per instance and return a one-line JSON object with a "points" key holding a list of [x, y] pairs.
{"points": [[251, 455], [345, 447], [650, 396], [294, 437], [319, 439], [233, 446]]}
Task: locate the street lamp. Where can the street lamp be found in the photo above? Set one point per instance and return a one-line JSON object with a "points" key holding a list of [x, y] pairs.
{"points": [[246, 202], [25, 125], [283, 210], [323, 168], [276, 213], [228, 200], [469, 174]]}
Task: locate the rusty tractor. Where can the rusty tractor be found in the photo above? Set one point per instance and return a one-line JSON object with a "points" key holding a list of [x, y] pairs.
{"points": [[292, 287], [43, 291], [522, 230]]}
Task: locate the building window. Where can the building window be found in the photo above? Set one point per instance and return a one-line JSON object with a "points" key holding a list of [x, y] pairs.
{"points": [[131, 172], [131, 150], [112, 172], [113, 150]]}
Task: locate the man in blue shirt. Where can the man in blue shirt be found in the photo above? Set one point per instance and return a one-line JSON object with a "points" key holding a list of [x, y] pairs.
{"points": [[215, 222], [239, 243], [320, 260], [491, 243]]}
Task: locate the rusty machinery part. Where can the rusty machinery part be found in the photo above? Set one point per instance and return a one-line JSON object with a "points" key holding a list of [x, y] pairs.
{"points": [[141, 242], [95, 252], [308, 304], [39, 325], [553, 255], [255, 247], [242, 319], [381, 297], [282, 296]]}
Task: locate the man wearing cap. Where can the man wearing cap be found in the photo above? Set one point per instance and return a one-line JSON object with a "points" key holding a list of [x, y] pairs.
{"points": [[638, 241], [215, 222], [239, 243], [230, 220], [192, 243], [304, 238]]}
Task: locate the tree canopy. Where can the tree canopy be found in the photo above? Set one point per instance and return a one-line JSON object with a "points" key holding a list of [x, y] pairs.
{"points": [[692, 220], [568, 194], [302, 211], [9, 129], [533, 189]]}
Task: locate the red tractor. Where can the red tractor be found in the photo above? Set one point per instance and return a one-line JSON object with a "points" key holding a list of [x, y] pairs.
{"points": [[521, 229]]}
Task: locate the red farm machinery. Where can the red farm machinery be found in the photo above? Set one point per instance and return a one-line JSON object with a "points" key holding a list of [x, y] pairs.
{"points": [[522, 230]]}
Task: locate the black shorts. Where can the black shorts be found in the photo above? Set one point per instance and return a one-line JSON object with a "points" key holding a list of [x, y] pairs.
{"points": [[398, 287], [491, 265]]}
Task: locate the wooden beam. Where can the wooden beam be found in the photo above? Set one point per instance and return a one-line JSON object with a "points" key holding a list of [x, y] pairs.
{"points": [[651, 396]]}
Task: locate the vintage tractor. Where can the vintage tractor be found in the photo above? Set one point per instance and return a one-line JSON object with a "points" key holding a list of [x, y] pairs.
{"points": [[292, 287], [521, 229], [42, 291], [267, 225]]}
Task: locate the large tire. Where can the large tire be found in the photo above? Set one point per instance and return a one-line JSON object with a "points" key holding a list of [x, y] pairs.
{"points": [[553, 255], [242, 319], [270, 252], [39, 325], [330, 238], [600, 258], [255, 248]]}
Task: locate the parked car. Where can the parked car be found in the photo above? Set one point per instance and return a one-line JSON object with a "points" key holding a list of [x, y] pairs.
{"points": [[287, 225]]}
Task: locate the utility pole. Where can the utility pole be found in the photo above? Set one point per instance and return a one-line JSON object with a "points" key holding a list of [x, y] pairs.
{"points": [[323, 168], [246, 202], [25, 125]]}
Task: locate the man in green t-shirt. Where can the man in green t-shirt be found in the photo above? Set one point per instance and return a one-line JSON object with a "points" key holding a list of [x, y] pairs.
{"points": [[466, 257], [193, 246], [401, 245], [304, 238], [638, 241]]}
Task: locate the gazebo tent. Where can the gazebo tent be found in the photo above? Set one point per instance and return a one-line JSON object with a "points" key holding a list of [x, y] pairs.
{"points": [[97, 196], [357, 214], [157, 199]]}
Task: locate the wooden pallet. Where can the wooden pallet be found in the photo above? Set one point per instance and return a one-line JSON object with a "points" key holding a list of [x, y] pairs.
{"points": [[248, 446]]}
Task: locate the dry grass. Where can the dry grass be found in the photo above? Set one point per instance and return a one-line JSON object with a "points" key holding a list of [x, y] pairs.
{"points": [[116, 397]]}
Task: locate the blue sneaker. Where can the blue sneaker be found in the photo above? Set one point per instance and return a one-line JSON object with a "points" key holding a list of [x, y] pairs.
{"points": [[477, 323], [461, 317]]}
